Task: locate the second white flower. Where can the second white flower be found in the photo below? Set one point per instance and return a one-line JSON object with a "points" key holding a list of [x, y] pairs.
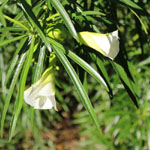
{"points": [[107, 44], [41, 95]]}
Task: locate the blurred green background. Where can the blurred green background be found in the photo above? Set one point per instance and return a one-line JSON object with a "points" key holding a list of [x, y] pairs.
{"points": [[122, 111]]}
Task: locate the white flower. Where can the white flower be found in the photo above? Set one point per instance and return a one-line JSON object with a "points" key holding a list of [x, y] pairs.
{"points": [[107, 44], [41, 95]]}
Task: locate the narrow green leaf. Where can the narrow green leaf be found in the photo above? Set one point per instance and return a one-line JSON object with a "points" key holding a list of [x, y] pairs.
{"points": [[16, 22], [144, 62], [39, 66], [104, 73], [92, 13], [81, 63], [35, 23], [37, 75], [2, 18], [10, 92], [148, 132], [142, 23], [21, 46], [87, 68], [6, 29], [17, 17], [14, 60], [11, 68], [1, 13], [37, 9], [29, 2], [85, 83], [131, 4], [2, 43], [128, 84], [79, 87], [58, 6], [2, 74], [19, 101]]}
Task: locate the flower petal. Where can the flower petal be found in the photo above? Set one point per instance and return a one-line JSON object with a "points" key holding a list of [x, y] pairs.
{"points": [[41, 95], [44, 102], [107, 44]]}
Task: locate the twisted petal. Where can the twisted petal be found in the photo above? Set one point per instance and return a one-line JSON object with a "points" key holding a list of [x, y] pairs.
{"points": [[107, 44], [41, 95]]}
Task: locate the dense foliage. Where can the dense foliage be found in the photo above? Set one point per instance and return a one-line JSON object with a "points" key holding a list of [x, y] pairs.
{"points": [[106, 101]]}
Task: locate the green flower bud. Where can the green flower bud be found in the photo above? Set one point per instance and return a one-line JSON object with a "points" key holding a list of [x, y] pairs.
{"points": [[57, 32]]}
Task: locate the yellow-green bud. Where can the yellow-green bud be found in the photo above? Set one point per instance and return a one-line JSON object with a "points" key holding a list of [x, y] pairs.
{"points": [[57, 32]]}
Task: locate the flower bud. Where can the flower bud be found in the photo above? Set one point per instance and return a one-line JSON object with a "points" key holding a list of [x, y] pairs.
{"points": [[57, 32]]}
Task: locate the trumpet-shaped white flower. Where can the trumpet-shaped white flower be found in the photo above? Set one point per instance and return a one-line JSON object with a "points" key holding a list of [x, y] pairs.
{"points": [[107, 44], [41, 95]]}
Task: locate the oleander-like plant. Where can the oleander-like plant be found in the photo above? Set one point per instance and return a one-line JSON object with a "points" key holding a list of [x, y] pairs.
{"points": [[67, 54]]}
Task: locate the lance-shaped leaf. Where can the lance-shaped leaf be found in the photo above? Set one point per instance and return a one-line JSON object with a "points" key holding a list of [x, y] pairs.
{"points": [[58, 6]]}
